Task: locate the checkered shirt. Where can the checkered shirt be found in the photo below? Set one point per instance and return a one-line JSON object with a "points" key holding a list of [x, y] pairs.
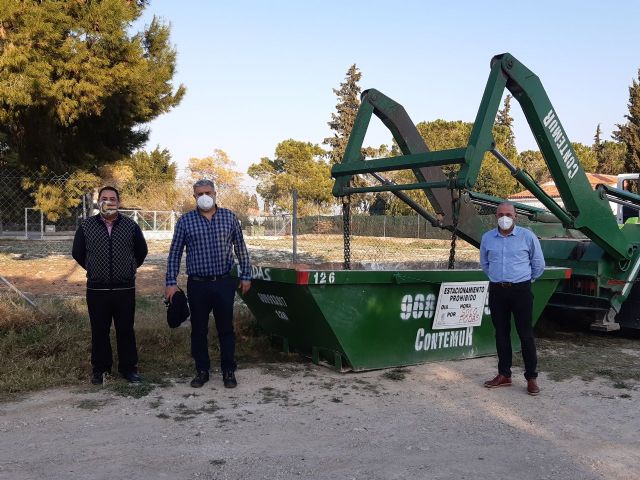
{"points": [[209, 245]]}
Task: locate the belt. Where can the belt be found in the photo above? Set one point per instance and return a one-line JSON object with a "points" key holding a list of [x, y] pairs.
{"points": [[208, 278], [508, 284]]}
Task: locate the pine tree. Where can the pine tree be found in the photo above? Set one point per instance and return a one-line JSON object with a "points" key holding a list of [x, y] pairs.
{"points": [[613, 155], [629, 133], [505, 120], [296, 165], [346, 110], [145, 179], [77, 87], [597, 148]]}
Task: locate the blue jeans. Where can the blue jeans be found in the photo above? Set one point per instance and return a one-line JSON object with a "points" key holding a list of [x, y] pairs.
{"points": [[205, 297]]}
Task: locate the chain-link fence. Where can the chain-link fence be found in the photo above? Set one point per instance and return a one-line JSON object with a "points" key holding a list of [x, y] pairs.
{"points": [[19, 196], [374, 239], [35, 248], [39, 214], [371, 239], [49, 208]]}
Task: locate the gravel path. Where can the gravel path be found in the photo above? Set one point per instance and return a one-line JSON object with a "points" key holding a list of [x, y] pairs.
{"points": [[291, 421]]}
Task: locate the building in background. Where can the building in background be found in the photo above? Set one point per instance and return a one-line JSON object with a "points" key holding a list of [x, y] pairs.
{"points": [[549, 187]]}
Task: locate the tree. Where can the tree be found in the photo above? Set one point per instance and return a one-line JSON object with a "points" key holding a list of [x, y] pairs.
{"points": [[612, 157], [56, 196], [597, 146], [346, 110], [586, 155], [145, 180], [76, 87], [493, 178], [629, 132], [533, 162], [297, 165], [229, 193], [253, 203], [219, 168], [342, 121], [505, 121], [379, 205]]}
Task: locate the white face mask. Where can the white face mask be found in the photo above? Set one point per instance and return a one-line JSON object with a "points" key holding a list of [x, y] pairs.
{"points": [[107, 209], [205, 202], [505, 223]]}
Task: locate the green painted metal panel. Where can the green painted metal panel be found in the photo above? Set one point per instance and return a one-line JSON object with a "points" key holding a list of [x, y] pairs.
{"points": [[442, 157], [363, 319]]}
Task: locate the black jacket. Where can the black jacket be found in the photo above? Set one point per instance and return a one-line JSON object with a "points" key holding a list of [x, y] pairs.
{"points": [[110, 260]]}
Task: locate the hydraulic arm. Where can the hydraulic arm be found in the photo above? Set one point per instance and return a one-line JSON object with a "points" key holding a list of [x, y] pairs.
{"points": [[582, 209]]}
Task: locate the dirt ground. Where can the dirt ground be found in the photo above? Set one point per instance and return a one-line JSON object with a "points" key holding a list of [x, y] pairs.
{"points": [[298, 420], [289, 421], [46, 268]]}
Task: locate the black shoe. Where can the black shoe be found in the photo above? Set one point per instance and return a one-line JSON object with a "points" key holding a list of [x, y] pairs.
{"points": [[200, 379], [97, 378], [229, 380], [132, 377]]}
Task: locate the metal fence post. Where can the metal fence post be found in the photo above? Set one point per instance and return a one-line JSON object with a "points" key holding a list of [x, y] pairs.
{"points": [[155, 223], [41, 225], [294, 226]]}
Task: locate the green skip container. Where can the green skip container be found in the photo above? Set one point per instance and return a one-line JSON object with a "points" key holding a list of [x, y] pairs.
{"points": [[364, 319]]}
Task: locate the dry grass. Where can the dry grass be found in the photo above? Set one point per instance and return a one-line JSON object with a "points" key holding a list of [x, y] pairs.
{"points": [[313, 249], [51, 347], [41, 348]]}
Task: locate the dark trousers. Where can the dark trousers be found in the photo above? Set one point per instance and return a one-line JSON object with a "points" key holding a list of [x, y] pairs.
{"points": [[517, 300], [103, 306], [205, 297]]}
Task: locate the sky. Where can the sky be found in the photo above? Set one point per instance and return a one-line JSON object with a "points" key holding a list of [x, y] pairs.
{"points": [[260, 72]]}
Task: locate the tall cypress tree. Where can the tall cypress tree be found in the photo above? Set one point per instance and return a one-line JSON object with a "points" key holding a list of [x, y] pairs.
{"points": [[597, 147], [346, 110], [505, 120], [629, 133]]}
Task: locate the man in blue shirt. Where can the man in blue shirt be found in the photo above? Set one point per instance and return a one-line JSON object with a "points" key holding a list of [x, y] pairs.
{"points": [[512, 258], [209, 233]]}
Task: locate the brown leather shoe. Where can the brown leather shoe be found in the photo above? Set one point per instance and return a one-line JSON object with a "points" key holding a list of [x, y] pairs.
{"points": [[532, 387], [498, 381]]}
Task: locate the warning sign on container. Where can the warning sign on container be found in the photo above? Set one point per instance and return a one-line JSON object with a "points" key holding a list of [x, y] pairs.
{"points": [[460, 304]]}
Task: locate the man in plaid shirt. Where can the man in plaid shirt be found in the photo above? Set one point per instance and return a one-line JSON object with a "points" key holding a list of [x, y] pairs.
{"points": [[209, 233]]}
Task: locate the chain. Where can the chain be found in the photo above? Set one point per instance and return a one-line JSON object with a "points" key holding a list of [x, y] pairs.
{"points": [[346, 230], [455, 210], [452, 248]]}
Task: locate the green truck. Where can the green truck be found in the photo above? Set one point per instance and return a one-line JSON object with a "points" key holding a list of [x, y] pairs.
{"points": [[582, 232], [357, 318]]}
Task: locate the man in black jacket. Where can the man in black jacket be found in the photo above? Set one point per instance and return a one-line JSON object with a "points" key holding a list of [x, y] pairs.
{"points": [[110, 247]]}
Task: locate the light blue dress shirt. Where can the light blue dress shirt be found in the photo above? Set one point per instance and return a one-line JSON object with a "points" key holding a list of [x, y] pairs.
{"points": [[515, 258]]}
